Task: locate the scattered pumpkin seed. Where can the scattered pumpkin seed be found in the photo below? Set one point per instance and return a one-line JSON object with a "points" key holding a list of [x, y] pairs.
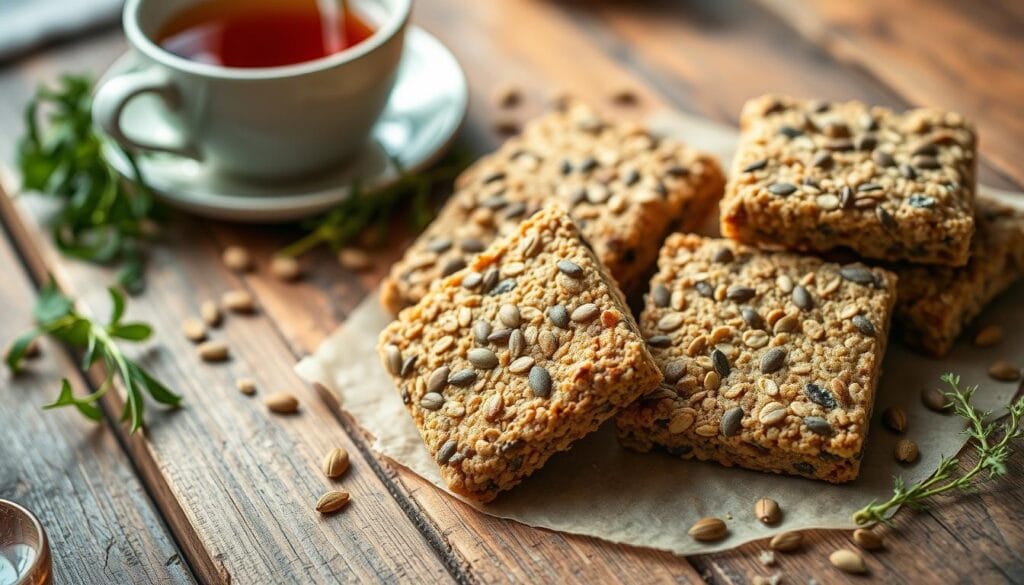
{"points": [[210, 313]]}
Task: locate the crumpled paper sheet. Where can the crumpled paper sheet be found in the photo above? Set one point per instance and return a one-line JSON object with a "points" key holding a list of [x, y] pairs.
{"points": [[600, 489]]}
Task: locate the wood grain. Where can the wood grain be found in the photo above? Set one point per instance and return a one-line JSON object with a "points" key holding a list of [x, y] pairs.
{"points": [[964, 56], [70, 472], [236, 485]]}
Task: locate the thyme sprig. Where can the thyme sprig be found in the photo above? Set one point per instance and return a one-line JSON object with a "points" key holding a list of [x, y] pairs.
{"points": [[373, 211], [990, 439], [103, 217], [55, 315]]}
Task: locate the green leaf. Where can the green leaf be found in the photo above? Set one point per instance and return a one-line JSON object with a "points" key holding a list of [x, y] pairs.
{"points": [[51, 305], [130, 331], [117, 301], [61, 156], [16, 353], [76, 333], [86, 406], [158, 391]]}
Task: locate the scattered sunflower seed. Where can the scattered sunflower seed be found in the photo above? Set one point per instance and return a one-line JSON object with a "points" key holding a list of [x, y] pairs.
{"points": [[246, 386], [767, 511], [285, 268], [935, 400], [895, 419], [194, 329], [1004, 371], [336, 463], [906, 451], [213, 351], [238, 301], [237, 258], [867, 539], [282, 403], [332, 501], [354, 259], [210, 313], [988, 336], [787, 541], [708, 530], [847, 561]]}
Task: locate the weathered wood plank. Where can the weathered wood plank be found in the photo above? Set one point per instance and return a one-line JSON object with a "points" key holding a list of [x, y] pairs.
{"points": [[965, 56], [237, 484], [70, 472]]}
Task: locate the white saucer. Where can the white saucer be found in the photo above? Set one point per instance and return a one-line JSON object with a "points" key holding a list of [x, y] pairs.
{"points": [[423, 114]]}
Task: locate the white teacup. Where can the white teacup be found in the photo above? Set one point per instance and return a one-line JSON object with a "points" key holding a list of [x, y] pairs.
{"points": [[271, 122]]}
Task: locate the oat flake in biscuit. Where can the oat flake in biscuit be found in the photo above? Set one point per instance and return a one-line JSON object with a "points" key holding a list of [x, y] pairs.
{"points": [[493, 407]]}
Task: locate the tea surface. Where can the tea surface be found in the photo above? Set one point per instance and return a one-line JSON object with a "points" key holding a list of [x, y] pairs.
{"points": [[262, 33]]}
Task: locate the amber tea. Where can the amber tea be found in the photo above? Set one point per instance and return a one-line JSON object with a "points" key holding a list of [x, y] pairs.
{"points": [[262, 33]]}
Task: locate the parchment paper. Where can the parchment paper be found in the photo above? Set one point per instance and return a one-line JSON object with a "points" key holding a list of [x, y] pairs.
{"points": [[600, 489]]}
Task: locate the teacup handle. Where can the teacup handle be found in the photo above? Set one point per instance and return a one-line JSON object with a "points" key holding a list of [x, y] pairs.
{"points": [[112, 97]]}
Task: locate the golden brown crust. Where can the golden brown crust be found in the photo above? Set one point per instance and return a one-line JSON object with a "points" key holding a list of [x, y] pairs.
{"points": [[771, 359], [624, 188], [535, 377], [814, 176]]}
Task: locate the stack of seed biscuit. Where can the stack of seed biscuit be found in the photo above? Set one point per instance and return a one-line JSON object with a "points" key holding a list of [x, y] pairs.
{"points": [[771, 357], [513, 339]]}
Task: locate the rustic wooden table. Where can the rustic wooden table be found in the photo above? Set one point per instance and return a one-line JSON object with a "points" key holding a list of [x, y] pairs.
{"points": [[220, 491]]}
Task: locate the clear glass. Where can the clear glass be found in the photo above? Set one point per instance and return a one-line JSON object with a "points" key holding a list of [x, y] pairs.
{"points": [[24, 550]]}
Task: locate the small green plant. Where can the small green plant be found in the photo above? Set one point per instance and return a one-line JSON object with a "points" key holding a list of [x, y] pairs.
{"points": [[991, 441], [55, 315]]}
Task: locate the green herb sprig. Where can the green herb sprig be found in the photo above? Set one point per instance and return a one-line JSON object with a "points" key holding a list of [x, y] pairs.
{"points": [[373, 211], [104, 218], [991, 441], [55, 316]]}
